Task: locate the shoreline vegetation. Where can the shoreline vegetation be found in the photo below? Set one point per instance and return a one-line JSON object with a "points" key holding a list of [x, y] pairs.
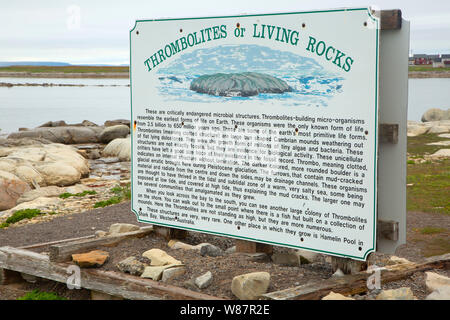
{"points": [[122, 72]]}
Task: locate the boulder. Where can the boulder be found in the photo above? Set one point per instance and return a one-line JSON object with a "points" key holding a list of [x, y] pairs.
{"points": [[396, 294], [11, 189], [64, 135], [48, 192], [58, 173], [120, 148], [435, 281], [60, 123], [204, 280], [250, 286], [436, 114], [110, 123], [416, 130], [439, 129], [160, 258], [117, 228], [88, 123], [110, 133], [132, 266], [336, 296], [91, 259], [398, 260], [441, 293], [172, 273], [443, 153], [239, 84]]}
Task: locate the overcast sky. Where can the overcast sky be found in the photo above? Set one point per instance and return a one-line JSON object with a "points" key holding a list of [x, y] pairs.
{"points": [[97, 31]]}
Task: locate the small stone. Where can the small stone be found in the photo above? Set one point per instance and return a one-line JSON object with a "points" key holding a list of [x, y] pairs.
{"points": [[336, 296], [441, 293], [117, 228], [204, 280], [101, 233], [257, 256], [306, 257], [211, 250], [132, 266], [155, 272], [250, 286], [94, 258], [396, 294], [160, 258], [398, 260], [435, 281], [286, 258], [190, 284], [172, 273], [175, 244], [29, 278], [231, 250], [338, 273]]}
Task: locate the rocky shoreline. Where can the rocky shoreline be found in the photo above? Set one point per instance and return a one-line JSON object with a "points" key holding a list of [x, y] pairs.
{"points": [[63, 168]]}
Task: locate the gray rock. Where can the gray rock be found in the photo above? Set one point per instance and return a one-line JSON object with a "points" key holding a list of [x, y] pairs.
{"points": [[286, 258], [60, 123], [211, 250], [132, 266], [441, 293], [172, 273], [436, 114], [238, 84], [110, 133], [231, 250], [64, 135], [111, 123], [204, 280]]}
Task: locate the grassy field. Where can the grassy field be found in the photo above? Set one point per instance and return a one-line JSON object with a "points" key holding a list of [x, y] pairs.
{"points": [[428, 68], [64, 69], [429, 181]]}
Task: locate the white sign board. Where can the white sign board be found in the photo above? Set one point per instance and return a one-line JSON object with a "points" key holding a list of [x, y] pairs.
{"points": [[259, 127]]}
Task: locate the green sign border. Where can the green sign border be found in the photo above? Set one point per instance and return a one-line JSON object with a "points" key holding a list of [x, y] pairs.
{"points": [[364, 257]]}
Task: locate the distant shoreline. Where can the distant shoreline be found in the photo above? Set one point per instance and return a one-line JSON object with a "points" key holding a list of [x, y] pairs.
{"points": [[125, 75]]}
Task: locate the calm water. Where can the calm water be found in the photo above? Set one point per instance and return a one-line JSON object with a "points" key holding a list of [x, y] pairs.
{"points": [[32, 106]]}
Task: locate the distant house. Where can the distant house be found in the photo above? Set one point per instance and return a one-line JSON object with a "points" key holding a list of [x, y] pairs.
{"points": [[422, 59], [434, 60], [446, 60]]}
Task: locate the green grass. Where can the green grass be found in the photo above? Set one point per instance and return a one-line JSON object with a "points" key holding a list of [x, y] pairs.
{"points": [[432, 230], [66, 195], [120, 194], [23, 214], [64, 69], [430, 180], [41, 295], [417, 146], [428, 68]]}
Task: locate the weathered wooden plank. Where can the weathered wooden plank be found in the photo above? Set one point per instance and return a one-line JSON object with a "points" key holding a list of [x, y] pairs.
{"points": [[108, 282], [252, 247], [44, 244], [388, 133], [354, 284], [389, 19], [63, 252]]}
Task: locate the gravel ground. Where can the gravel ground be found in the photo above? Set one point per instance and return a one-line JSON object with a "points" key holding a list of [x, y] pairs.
{"points": [[224, 268]]}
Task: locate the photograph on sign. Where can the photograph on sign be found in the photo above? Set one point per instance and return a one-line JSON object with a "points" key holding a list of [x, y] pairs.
{"points": [[259, 127]]}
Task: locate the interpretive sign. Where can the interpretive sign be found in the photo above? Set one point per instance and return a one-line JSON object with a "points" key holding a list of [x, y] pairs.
{"points": [[259, 127]]}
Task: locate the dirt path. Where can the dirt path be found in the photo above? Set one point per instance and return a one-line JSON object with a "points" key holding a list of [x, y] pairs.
{"points": [[68, 226]]}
